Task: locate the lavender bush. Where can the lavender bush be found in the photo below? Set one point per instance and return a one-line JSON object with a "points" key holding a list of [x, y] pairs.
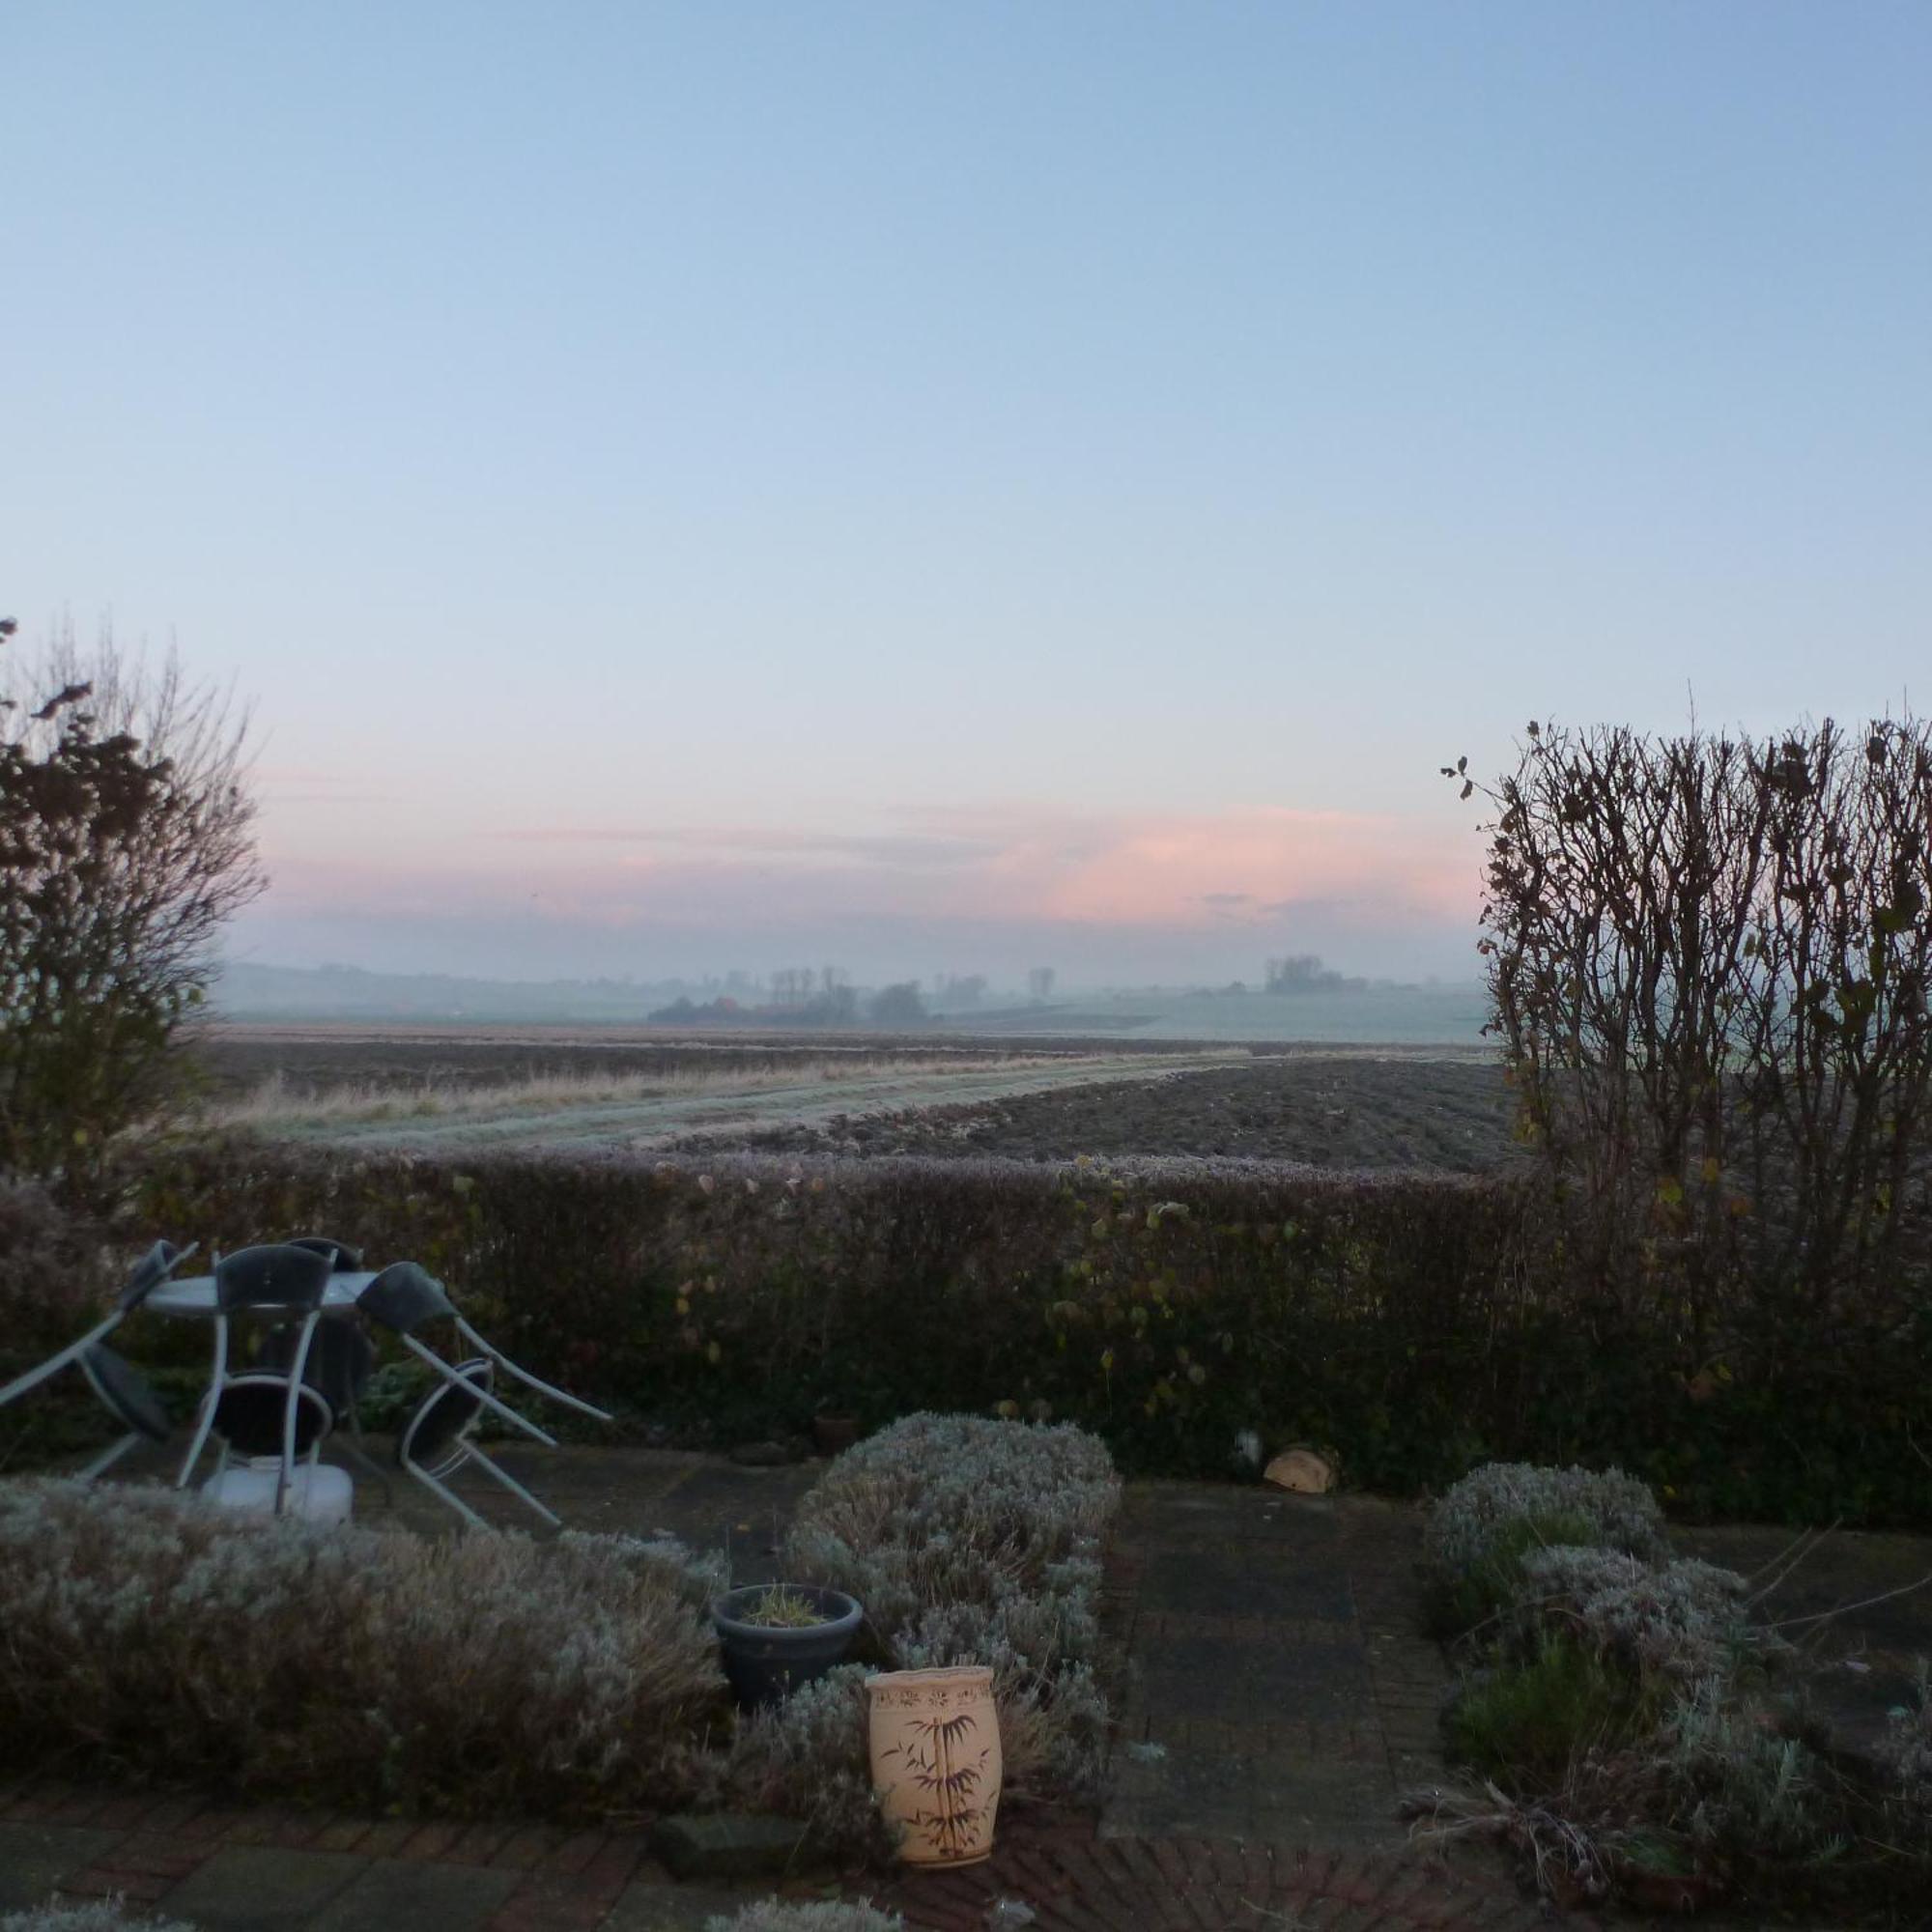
{"points": [[145, 1631], [838, 1915], [102, 1914], [968, 1540], [1482, 1528], [1682, 1620]]}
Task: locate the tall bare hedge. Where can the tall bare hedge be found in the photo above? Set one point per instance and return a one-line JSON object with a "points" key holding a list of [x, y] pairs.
{"points": [[1709, 961]]}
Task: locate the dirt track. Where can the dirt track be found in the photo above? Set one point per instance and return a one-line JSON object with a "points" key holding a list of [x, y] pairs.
{"points": [[732, 1119]]}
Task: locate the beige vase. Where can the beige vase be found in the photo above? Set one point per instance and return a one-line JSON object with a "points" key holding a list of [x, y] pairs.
{"points": [[936, 1761]]}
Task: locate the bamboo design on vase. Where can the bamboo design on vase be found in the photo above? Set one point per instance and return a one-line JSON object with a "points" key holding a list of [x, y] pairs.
{"points": [[936, 1761], [934, 1757]]}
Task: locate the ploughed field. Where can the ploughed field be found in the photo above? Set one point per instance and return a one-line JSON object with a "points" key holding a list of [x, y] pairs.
{"points": [[1328, 1109], [860, 1095]]}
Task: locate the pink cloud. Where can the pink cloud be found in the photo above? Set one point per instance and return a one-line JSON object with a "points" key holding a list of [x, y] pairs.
{"points": [[1006, 864]]}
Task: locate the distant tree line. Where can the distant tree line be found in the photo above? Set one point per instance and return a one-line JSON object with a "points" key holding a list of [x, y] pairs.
{"points": [[1304, 973]]}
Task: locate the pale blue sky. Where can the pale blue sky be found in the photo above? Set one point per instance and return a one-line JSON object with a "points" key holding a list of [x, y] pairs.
{"points": [[958, 483]]}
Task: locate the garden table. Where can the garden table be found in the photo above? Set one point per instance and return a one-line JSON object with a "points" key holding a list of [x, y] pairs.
{"points": [[194, 1296]]}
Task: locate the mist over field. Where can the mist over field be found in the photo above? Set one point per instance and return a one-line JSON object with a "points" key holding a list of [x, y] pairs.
{"points": [[1334, 1010]]}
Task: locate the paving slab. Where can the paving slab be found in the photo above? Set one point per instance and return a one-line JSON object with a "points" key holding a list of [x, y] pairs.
{"points": [[1275, 1650], [257, 1888], [728, 1845], [406, 1893], [34, 1859], [652, 1906], [1206, 1794]]}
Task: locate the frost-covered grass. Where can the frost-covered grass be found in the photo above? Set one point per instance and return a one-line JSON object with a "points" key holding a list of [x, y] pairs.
{"points": [[968, 1540], [142, 1631]]}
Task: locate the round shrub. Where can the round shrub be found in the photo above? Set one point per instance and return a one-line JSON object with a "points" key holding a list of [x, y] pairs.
{"points": [[1485, 1526], [1684, 1620]]}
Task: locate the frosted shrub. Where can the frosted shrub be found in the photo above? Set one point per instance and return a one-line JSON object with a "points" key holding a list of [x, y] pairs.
{"points": [[834, 1914], [808, 1757], [974, 1541], [1907, 1749], [100, 1915], [1682, 1620], [1483, 1526], [1737, 1783], [469, 1674]]}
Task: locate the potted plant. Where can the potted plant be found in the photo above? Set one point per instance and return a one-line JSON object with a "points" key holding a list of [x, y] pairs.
{"points": [[776, 1636], [834, 1429]]}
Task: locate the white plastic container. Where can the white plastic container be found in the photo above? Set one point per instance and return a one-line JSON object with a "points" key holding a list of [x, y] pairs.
{"points": [[320, 1492]]}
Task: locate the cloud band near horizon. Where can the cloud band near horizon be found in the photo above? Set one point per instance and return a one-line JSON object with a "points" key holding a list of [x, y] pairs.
{"points": [[926, 881]]}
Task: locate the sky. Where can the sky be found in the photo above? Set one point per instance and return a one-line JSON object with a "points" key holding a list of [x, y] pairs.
{"points": [[957, 487]]}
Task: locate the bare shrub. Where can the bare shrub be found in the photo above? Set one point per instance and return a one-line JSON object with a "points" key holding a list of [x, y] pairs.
{"points": [[148, 1632], [1709, 961], [124, 845]]}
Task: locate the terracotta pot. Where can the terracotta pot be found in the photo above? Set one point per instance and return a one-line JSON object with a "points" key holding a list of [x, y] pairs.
{"points": [[835, 1432], [935, 1737]]}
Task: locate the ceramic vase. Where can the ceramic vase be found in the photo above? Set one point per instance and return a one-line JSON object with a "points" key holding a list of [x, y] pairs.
{"points": [[935, 1747]]}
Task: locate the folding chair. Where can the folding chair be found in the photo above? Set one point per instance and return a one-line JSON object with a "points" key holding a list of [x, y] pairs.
{"points": [[250, 1418], [127, 1397], [342, 1257], [408, 1289], [149, 1272], [438, 1441], [280, 1280], [405, 1297]]}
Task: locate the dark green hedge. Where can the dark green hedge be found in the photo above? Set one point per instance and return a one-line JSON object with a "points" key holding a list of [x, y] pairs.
{"points": [[1416, 1323]]}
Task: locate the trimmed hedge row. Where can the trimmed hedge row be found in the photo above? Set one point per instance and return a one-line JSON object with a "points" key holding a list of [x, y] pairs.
{"points": [[1417, 1324]]}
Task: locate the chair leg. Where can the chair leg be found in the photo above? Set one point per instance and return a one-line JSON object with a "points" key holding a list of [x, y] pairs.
{"points": [[449, 1497], [54, 1364], [101, 1463], [515, 1488], [510, 1368], [208, 1401], [482, 1395], [358, 1451], [285, 1480]]}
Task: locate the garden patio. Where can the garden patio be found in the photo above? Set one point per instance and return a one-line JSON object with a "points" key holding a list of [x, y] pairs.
{"points": [[1275, 1690]]}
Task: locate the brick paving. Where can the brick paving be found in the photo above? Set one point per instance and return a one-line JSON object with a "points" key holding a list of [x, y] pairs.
{"points": [[1276, 1699]]}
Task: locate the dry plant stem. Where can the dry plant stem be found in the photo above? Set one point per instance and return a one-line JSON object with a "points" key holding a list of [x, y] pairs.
{"points": [[1845, 1609]]}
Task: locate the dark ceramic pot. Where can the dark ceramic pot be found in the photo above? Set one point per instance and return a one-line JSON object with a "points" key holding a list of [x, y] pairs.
{"points": [[768, 1662]]}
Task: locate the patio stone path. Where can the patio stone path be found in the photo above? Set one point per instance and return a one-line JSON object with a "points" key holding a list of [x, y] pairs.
{"points": [[1279, 1689], [1275, 1693]]}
